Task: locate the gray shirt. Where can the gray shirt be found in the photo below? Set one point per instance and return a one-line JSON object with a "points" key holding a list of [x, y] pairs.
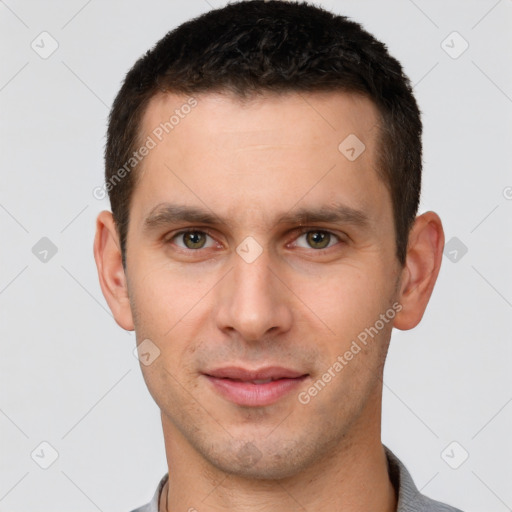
{"points": [[409, 498]]}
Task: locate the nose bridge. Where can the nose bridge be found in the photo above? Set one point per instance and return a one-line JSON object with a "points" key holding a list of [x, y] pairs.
{"points": [[252, 278], [251, 302]]}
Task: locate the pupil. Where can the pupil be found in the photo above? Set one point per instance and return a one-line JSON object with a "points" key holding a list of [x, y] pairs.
{"points": [[194, 240], [318, 239]]}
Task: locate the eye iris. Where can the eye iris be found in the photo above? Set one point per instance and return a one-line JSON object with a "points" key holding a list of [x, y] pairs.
{"points": [[194, 240], [318, 239]]}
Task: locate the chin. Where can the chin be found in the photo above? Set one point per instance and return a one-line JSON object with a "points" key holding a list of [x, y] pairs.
{"points": [[260, 463]]}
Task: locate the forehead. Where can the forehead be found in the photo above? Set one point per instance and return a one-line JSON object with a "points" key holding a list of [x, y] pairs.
{"points": [[310, 115], [263, 154]]}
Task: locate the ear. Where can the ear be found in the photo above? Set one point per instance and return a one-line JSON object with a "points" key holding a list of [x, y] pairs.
{"points": [[424, 255], [107, 255]]}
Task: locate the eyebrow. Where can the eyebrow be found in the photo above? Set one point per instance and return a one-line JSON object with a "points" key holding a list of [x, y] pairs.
{"points": [[336, 214], [165, 214]]}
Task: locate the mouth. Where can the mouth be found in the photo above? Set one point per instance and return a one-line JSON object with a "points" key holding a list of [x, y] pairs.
{"points": [[254, 388]]}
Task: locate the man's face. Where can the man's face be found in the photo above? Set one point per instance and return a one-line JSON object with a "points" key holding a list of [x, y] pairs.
{"points": [[290, 255]]}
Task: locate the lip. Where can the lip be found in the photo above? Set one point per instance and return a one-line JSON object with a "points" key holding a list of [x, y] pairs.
{"points": [[237, 384], [268, 372]]}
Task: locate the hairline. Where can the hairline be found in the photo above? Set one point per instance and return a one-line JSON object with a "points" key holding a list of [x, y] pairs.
{"points": [[245, 97]]}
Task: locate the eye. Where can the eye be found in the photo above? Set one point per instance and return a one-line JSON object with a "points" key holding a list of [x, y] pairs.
{"points": [[193, 239], [316, 239]]}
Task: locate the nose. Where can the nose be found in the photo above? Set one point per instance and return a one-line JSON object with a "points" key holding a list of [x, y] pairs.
{"points": [[252, 302]]}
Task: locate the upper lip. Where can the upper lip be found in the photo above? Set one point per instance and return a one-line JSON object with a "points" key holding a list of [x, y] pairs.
{"points": [[269, 372]]}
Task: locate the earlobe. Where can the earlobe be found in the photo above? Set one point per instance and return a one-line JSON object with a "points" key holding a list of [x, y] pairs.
{"points": [[111, 274], [424, 256]]}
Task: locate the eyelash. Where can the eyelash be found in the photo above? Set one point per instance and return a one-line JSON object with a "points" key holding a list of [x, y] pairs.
{"points": [[301, 231], [189, 230], [304, 230]]}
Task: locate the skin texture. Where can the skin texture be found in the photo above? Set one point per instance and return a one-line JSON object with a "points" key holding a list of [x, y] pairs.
{"points": [[249, 164]]}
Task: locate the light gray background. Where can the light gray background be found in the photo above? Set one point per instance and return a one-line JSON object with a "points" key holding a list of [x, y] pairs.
{"points": [[68, 374]]}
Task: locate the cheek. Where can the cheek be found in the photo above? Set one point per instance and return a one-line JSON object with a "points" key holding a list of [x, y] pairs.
{"points": [[173, 310], [348, 298], [164, 295], [170, 390]]}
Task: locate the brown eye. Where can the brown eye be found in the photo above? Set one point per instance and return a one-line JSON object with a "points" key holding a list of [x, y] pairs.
{"points": [[318, 239]]}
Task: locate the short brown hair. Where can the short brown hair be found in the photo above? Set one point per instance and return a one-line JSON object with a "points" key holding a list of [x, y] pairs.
{"points": [[258, 46]]}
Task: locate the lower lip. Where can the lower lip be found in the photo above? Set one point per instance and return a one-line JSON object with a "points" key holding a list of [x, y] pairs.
{"points": [[254, 395]]}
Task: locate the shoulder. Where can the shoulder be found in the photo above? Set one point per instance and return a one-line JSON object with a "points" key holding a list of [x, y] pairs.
{"points": [[409, 497], [144, 508], [153, 505]]}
